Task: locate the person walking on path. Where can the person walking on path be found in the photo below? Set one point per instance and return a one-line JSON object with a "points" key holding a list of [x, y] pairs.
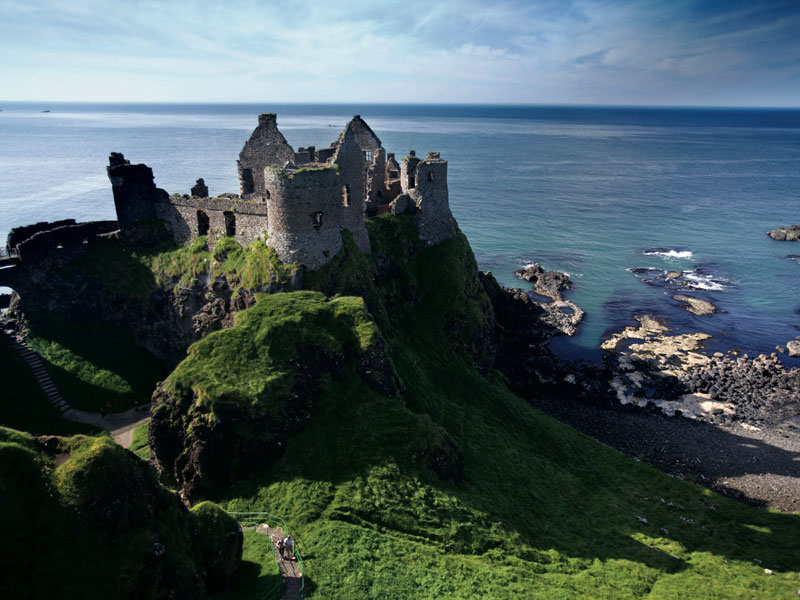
{"points": [[280, 548], [288, 546]]}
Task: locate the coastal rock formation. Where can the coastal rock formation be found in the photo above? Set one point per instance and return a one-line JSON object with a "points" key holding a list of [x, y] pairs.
{"points": [[563, 315], [793, 348], [696, 306], [545, 283], [651, 365], [785, 234]]}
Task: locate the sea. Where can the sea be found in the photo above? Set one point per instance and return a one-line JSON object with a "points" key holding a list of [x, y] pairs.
{"points": [[614, 196]]}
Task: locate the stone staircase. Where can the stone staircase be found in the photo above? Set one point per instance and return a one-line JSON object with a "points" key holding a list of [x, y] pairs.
{"points": [[40, 373]]}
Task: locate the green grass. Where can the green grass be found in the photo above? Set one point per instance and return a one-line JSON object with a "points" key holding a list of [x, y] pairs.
{"points": [[252, 267], [94, 363], [23, 405], [84, 526], [545, 512], [257, 574], [140, 445], [253, 363]]}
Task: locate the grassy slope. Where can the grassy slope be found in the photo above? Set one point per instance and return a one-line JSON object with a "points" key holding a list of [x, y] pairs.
{"points": [[545, 513], [23, 405], [95, 363], [140, 445], [84, 526]]}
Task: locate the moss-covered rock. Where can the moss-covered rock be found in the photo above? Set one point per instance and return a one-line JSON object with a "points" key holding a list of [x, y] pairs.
{"points": [[84, 518], [226, 411]]}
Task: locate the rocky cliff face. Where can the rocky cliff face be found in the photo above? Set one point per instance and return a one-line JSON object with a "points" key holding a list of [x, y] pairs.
{"points": [[167, 298]]}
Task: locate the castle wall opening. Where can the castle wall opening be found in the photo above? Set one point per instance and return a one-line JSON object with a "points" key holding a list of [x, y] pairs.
{"points": [[248, 185], [202, 223], [346, 195], [230, 224]]}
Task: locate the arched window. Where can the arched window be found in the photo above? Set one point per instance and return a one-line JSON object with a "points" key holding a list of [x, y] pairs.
{"points": [[316, 219]]}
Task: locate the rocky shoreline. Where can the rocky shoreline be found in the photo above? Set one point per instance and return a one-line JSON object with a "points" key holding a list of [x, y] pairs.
{"points": [[728, 421]]}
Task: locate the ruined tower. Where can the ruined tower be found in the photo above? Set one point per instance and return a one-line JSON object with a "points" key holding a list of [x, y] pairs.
{"points": [[134, 189], [266, 148], [425, 182], [308, 208], [300, 202]]}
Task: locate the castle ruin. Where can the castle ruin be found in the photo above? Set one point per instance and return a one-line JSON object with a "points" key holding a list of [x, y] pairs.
{"points": [[297, 201]]}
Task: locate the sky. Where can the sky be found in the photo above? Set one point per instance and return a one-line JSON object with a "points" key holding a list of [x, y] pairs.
{"points": [[670, 52]]}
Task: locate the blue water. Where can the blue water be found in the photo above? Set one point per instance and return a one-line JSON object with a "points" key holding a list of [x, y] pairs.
{"points": [[584, 190]]}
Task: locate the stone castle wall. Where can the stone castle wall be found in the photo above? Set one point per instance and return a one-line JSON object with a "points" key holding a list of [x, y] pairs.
{"points": [[248, 219], [300, 211]]}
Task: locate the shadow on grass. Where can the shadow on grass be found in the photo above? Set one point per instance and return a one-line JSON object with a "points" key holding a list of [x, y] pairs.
{"points": [[24, 406], [94, 363]]}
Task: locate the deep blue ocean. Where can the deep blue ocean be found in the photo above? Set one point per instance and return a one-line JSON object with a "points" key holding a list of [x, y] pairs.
{"points": [[613, 196]]}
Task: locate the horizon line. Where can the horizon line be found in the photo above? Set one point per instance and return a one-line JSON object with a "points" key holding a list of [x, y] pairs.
{"points": [[459, 104]]}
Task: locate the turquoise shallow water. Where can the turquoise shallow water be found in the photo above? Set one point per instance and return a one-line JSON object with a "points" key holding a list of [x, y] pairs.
{"points": [[580, 189]]}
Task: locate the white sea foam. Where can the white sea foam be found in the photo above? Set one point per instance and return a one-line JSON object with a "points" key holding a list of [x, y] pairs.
{"points": [[669, 253], [706, 282]]}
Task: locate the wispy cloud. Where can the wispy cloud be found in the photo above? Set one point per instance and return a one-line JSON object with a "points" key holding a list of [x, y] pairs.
{"points": [[591, 51]]}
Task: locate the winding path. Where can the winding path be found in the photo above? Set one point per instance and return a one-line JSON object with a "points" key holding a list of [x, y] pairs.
{"points": [[290, 572]]}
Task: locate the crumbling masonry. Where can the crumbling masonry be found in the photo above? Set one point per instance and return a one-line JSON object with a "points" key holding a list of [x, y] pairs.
{"points": [[299, 202]]}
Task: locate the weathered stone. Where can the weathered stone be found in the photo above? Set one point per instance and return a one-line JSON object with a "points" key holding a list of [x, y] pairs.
{"points": [[299, 211]]}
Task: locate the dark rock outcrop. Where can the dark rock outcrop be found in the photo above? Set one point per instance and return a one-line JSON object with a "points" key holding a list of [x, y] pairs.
{"points": [[545, 283], [562, 315]]}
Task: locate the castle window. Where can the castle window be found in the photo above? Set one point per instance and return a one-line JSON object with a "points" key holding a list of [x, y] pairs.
{"points": [[368, 155], [394, 174], [412, 182], [430, 175], [202, 223], [248, 185], [316, 219], [346, 195], [230, 224]]}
